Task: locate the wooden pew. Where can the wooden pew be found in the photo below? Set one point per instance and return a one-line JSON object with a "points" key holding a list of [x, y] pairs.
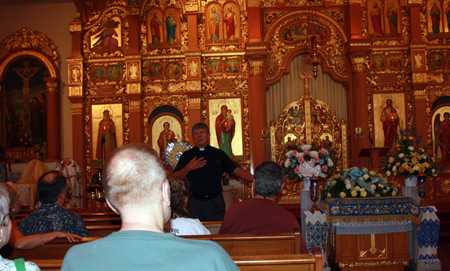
{"points": [[255, 244], [295, 262], [101, 227], [212, 226], [233, 244], [102, 230]]}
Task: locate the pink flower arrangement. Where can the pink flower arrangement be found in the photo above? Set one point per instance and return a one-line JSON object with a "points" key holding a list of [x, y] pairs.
{"points": [[307, 160]]}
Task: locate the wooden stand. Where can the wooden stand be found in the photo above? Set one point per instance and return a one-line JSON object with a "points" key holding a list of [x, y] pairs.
{"points": [[371, 252], [374, 153]]}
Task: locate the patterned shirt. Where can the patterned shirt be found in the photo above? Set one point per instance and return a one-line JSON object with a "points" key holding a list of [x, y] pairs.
{"points": [[2, 172], [52, 217], [8, 265]]}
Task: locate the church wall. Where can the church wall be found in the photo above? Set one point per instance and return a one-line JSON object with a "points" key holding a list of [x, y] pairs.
{"points": [[52, 20]]}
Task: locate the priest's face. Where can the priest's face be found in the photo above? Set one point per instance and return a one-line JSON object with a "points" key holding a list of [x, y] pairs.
{"points": [[201, 138]]}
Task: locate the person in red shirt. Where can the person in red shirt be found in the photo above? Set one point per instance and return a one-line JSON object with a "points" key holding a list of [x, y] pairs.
{"points": [[261, 214]]}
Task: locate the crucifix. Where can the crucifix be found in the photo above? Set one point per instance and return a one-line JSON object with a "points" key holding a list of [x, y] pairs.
{"points": [[307, 106], [306, 76]]}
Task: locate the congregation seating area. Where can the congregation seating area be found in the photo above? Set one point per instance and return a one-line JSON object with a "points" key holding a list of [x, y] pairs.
{"points": [[249, 251]]}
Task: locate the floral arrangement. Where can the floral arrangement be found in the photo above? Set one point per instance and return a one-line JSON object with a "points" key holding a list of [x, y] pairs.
{"points": [[409, 160], [356, 183], [305, 160]]}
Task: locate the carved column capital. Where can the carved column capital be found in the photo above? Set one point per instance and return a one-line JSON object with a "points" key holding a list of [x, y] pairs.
{"points": [[77, 108], [253, 3], [51, 84], [75, 25], [257, 65], [359, 62]]}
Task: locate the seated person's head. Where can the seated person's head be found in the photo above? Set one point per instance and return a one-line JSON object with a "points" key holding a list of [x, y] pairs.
{"points": [[268, 179], [135, 177], [179, 197], [5, 226], [51, 187], [14, 197]]}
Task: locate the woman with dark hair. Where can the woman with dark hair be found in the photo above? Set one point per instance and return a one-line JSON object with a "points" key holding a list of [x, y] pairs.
{"points": [[180, 223]]}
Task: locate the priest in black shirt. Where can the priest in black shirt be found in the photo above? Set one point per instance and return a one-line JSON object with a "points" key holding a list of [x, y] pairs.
{"points": [[203, 166]]}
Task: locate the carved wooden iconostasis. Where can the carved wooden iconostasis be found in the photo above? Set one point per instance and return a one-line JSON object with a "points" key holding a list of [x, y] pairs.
{"points": [[135, 63], [152, 62]]}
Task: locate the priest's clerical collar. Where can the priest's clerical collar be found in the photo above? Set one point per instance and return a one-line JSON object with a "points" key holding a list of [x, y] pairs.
{"points": [[201, 149]]}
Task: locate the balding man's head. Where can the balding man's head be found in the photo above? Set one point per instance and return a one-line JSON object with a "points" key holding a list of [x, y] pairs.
{"points": [[50, 186]]}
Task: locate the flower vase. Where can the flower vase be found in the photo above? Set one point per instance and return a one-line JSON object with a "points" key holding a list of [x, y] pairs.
{"points": [[422, 188], [411, 181], [314, 193]]}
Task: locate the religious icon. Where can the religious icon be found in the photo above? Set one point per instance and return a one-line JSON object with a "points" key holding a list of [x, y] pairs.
{"points": [[156, 70], [225, 115], [215, 66], [233, 66], [436, 61], [172, 27], [375, 18], [106, 140], [155, 26], [114, 73], [225, 128], [107, 39], [392, 14], [165, 137], [395, 61], [231, 23], [213, 24], [163, 130], [173, 70], [25, 108], [389, 118], [107, 129], [435, 17], [98, 74], [441, 134]]}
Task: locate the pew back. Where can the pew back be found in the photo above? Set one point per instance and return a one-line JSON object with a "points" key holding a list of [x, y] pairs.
{"points": [[296, 262], [233, 244]]}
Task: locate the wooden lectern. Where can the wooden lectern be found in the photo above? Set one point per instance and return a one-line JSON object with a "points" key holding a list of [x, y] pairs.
{"points": [[374, 153]]}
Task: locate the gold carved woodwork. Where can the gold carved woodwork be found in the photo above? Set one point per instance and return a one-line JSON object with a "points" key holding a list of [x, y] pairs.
{"points": [[75, 73], [75, 91], [313, 122], [194, 85], [194, 103], [75, 25], [133, 71], [51, 86], [133, 88], [135, 106], [95, 24], [191, 6], [256, 67], [30, 39], [359, 63], [180, 102], [331, 49], [254, 3], [77, 108], [420, 94]]}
